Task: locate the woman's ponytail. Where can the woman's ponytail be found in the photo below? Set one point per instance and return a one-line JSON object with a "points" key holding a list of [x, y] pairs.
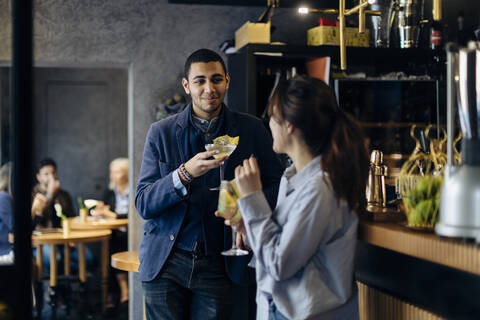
{"points": [[346, 162]]}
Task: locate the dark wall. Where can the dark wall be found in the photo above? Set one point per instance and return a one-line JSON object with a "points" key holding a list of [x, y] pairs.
{"points": [[80, 120]]}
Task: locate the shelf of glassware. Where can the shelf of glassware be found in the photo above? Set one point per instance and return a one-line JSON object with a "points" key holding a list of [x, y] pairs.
{"points": [[428, 246]]}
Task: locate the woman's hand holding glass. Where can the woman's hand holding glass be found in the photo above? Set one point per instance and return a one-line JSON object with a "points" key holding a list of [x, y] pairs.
{"points": [[241, 237], [247, 177], [241, 240]]}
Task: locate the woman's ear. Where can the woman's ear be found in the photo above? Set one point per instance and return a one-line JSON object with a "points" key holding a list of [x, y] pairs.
{"points": [[289, 127]]}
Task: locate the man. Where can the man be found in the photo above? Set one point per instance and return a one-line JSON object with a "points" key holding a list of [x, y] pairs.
{"points": [[46, 194], [182, 271]]}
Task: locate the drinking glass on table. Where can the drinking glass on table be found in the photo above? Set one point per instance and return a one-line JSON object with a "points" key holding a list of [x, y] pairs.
{"points": [[228, 209], [224, 150]]}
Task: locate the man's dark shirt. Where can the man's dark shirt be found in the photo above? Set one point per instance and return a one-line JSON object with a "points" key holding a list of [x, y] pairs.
{"points": [[49, 217]]}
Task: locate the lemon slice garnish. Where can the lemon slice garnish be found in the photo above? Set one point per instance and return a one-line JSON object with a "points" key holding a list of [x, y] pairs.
{"points": [[226, 140]]}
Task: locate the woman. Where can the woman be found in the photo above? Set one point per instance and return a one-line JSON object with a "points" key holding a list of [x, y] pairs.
{"points": [[304, 249], [6, 214], [115, 205]]}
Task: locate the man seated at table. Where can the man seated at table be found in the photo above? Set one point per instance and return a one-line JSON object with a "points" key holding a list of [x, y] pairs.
{"points": [[46, 193]]}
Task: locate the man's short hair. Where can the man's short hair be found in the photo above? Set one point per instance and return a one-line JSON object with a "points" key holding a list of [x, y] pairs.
{"points": [[46, 162], [203, 55]]}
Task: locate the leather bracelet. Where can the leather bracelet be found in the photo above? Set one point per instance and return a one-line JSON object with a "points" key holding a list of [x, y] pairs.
{"points": [[182, 177], [188, 177]]}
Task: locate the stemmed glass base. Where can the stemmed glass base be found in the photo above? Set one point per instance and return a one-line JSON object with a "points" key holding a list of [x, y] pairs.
{"points": [[234, 250]]}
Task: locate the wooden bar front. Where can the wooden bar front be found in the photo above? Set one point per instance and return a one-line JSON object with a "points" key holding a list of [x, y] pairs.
{"points": [[405, 274]]}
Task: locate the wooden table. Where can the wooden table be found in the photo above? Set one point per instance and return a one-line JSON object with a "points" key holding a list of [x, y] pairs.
{"points": [[126, 261], [79, 238], [93, 223]]}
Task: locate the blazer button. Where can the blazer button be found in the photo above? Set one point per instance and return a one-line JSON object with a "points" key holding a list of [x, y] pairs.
{"points": [[172, 237]]}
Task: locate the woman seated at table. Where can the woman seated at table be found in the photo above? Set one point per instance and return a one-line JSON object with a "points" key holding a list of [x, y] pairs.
{"points": [[115, 205], [6, 215], [305, 248]]}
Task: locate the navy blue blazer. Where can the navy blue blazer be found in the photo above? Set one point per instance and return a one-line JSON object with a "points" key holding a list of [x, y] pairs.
{"points": [[164, 209]]}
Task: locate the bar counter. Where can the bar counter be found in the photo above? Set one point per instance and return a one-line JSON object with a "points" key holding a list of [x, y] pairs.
{"points": [[405, 274]]}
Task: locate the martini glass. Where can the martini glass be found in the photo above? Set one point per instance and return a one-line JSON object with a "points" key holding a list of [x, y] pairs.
{"points": [[224, 150], [231, 212]]}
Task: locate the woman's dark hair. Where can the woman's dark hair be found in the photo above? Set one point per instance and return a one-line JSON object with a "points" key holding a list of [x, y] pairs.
{"points": [[310, 106]]}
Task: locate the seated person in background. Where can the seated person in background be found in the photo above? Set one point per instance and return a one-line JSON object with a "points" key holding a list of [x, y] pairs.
{"points": [[115, 205], [115, 198], [46, 193], [6, 215]]}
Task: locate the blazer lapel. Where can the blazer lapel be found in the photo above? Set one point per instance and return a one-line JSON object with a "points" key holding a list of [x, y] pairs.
{"points": [[181, 133], [231, 129]]}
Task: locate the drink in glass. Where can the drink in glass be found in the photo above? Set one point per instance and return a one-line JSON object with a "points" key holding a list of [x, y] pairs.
{"points": [[225, 145], [228, 209]]}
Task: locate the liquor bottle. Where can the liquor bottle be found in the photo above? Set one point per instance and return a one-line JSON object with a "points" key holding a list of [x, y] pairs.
{"points": [[436, 35], [437, 68], [436, 28]]}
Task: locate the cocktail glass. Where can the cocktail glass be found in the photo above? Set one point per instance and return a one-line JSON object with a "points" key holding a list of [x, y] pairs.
{"points": [[224, 150], [227, 207]]}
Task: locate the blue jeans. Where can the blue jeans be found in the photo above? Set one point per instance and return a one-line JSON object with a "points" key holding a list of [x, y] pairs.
{"points": [[274, 314], [189, 287]]}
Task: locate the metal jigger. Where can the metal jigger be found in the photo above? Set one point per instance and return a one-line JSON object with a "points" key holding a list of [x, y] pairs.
{"points": [[460, 194]]}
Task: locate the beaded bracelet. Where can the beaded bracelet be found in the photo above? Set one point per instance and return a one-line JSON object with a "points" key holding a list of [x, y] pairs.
{"points": [[187, 176], [180, 175]]}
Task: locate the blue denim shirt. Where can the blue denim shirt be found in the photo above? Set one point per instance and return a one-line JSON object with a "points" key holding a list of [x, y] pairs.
{"points": [[202, 200], [207, 128], [304, 249]]}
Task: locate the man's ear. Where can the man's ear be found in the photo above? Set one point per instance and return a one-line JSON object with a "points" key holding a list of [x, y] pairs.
{"points": [[38, 177], [227, 80], [185, 85]]}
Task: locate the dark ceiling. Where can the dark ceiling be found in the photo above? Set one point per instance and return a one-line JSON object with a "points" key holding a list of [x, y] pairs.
{"points": [[262, 3]]}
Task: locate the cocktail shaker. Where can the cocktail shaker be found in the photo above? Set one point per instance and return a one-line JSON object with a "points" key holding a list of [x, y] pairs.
{"points": [[376, 194], [405, 17]]}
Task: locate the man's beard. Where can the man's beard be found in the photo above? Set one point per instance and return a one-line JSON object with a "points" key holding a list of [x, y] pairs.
{"points": [[211, 111]]}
